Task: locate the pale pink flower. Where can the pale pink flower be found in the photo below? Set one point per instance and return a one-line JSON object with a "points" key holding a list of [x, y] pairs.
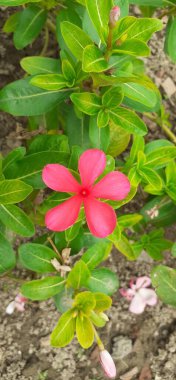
{"points": [[107, 364], [101, 218], [17, 304], [139, 295], [114, 16]]}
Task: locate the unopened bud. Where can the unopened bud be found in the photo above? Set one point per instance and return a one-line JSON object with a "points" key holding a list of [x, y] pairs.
{"points": [[107, 364], [114, 16]]}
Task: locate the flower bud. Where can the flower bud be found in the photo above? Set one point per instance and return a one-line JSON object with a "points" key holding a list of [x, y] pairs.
{"points": [[114, 16], [107, 364]]}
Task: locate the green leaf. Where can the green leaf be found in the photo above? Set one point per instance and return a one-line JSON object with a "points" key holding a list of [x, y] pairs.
{"points": [[112, 97], [129, 220], [84, 331], [119, 140], [137, 146], [170, 43], [132, 47], [152, 177], [160, 156], [75, 38], [37, 257], [155, 244], [97, 319], [84, 302], [64, 331], [103, 302], [11, 23], [125, 247], [93, 60], [14, 3], [96, 254], [136, 28], [20, 98], [73, 231], [87, 102], [102, 119], [13, 191], [7, 255], [115, 236], [29, 168], [16, 220], [43, 289], [31, 22], [99, 138], [166, 212], [49, 81], [68, 71], [173, 251], [141, 96], [13, 156], [40, 65], [44, 143], [164, 281], [78, 275], [64, 300], [128, 120], [103, 280], [99, 11]]}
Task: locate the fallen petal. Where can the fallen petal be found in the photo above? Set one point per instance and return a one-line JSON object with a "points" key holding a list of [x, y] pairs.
{"points": [[107, 364]]}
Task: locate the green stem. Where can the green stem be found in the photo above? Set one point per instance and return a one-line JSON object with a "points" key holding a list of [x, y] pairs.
{"points": [[51, 26], [99, 342], [167, 13], [45, 47], [109, 45], [163, 126]]}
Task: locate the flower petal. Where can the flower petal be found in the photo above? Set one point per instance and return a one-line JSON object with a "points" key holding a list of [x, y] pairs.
{"points": [[137, 304], [127, 293], [63, 216], [149, 296], [143, 282], [108, 364], [101, 218], [58, 178], [10, 308], [91, 164], [114, 185]]}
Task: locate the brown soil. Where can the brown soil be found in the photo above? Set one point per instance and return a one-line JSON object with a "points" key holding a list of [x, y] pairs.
{"points": [[144, 347]]}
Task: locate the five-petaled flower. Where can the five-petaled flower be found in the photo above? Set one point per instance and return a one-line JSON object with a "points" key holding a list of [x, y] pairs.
{"points": [[100, 216], [139, 295]]}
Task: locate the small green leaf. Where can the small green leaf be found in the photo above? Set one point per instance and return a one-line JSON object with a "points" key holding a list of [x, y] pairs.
{"points": [[103, 302], [112, 97], [170, 44], [103, 280], [96, 254], [129, 220], [7, 255], [75, 38], [37, 257], [13, 191], [99, 138], [164, 281], [97, 319], [11, 23], [49, 81], [78, 275], [124, 246], [84, 331], [68, 71], [93, 60], [84, 302], [99, 11], [73, 231], [132, 47], [160, 156], [152, 177], [43, 289], [64, 331], [40, 65], [119, 140], [16, 220], [87, 102], [128, 120], [30, 24]]}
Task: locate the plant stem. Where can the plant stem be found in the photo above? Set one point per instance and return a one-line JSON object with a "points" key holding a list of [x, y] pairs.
{"points": [[169, 133], [45, 47], [167, 13], [99, 342], [51, 26], [56, 250]]}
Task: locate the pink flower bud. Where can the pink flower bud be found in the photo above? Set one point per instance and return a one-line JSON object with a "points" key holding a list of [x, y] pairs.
{"points": [[107, 364], [114, 16]]}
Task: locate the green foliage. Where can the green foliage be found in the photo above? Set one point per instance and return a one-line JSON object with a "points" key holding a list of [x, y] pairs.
{"points": [[37, 257], [164, 281], [7, 255], [44, 288]]}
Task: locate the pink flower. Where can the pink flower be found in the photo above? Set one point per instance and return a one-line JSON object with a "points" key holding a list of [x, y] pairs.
{"points": [[101, 217], [107, 364], [139, 295], [114, 16], [18, 304]]}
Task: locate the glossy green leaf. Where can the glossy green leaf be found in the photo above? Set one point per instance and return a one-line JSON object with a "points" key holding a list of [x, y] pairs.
{"points": [[75, 38], [164, 281], [37, 257], [128, 120], [14, 3], [112, 97], [78, 275], [43, 289], [99, 138], [160, 156], [7, 255], [84, 331], [102, 119], [64, 331], [103, 302], [11, 23], [96, 254], [93, 60], [119, 140], [16, 220], [103, 280], [170, 42], [68, 71], [132, 47], [49, 81], [20, 98], [99, 11], [151, 177], [40, 65], [125, 247], [129, 220], [87, 102], [84, 302], [13, 191], [13, 155], [30, 24]]}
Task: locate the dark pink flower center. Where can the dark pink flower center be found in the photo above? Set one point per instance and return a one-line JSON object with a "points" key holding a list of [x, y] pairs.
{"points": [[84, 192]]}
